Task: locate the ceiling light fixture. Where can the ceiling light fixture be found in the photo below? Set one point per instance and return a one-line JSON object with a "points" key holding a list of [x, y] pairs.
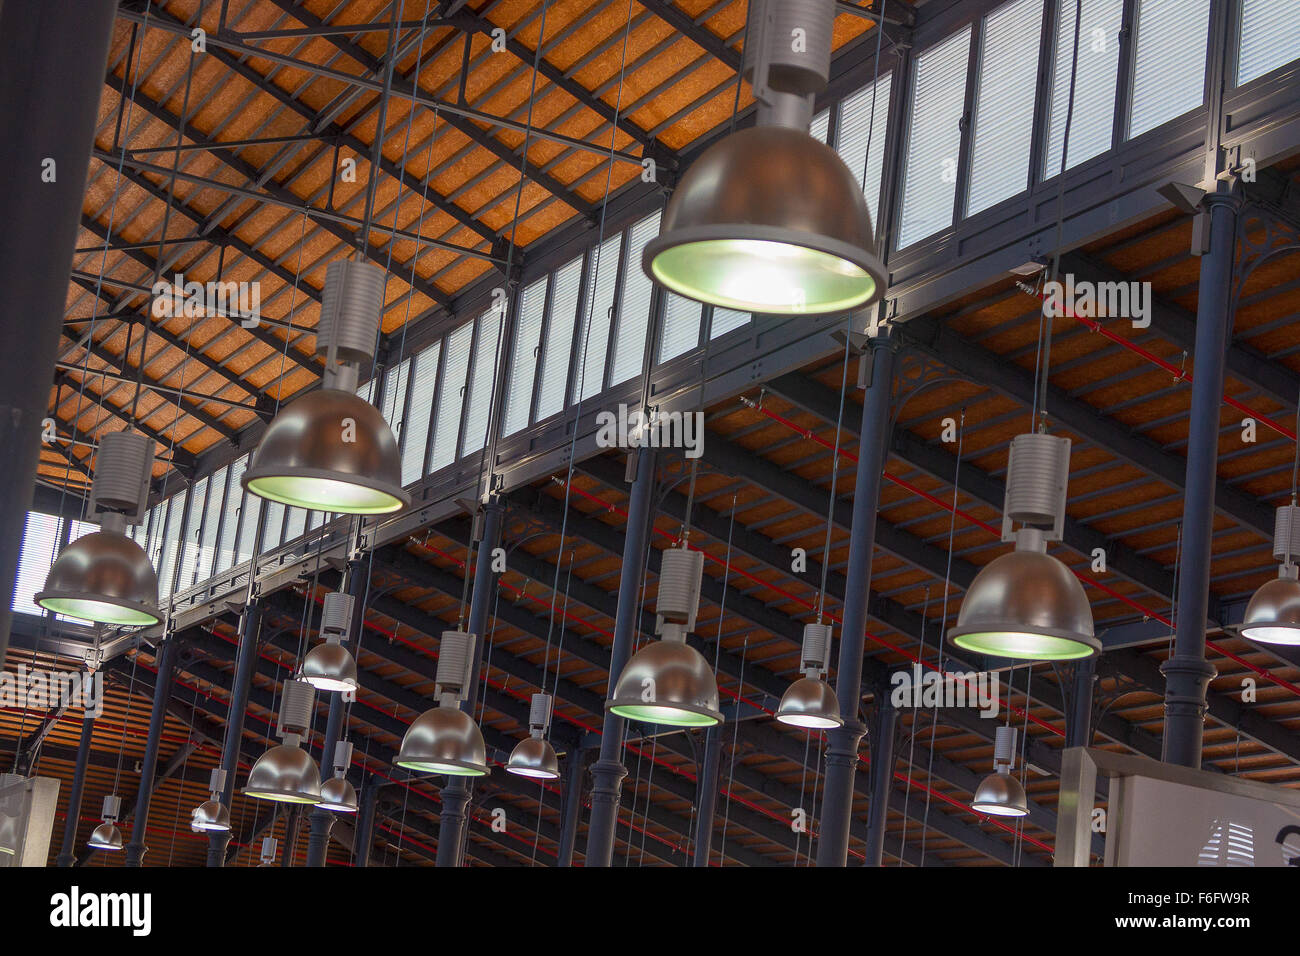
{"points": [[1027, 605], [534, 756], [266, 857], [331, 450], [668, 681], [1273, 614], [811, 702], [330, 666], [107, 836], [337, 793], [1000, 794], [105, 577], [286, 773], [771, 220], [212, 814], [446, 739]]}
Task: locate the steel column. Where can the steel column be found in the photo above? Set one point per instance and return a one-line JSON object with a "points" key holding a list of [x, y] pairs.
{"points": [[1078, 726], [706, 800], [365, 831], [245, 665], [608, 771], [68, 854], [50, 86], [882, 774], [1187, 673], [166, 662], [321, 821], [570, 807], [842, 742], [455, 795]]}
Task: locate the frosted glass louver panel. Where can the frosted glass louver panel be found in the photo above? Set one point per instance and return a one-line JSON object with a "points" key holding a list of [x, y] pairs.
{"points": [[725, 320], [451, 396], [211, 523], [230, 519], [1270, 37], [681, 326], [934, 140], [415, 436], [593, 335], [1169, 61], [634, 305], [36, 554], [523, 356], [860, 139], [482, 380], [558, 347], [250, 514], [1095, 80], [820, 125], [295, 525], [396, 382], [274, 534], [166, 566], [1004, 104], [189, 555]]}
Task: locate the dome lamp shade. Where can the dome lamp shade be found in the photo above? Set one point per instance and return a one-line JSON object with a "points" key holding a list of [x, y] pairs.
{"points": [[1273, 613], [286, 773], [810, 702], [534, 756], [1000, 794], [107, 836], [212, 814], [337, 793], [445, 739], [1027, 605]]}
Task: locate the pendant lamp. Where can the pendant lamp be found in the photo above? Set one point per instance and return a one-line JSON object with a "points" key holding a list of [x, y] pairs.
{"points": [[266, 856], [286, 773], [105, 577], [330, 666], [534, 756], [1273, 614], [771, 220], [107, 836], [331, 450], [1001, 794], [810, 702], [337, 793], [446, 739], [212, 814], [1027, 605], [668, 681]]}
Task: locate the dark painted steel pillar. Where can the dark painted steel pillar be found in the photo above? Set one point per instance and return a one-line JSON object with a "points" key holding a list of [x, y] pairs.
{"points": [[1078, 727], [291, 823], [148, 767], [607, 772], [54, 53], [570, 807], [706, 799], [68, 853], [321, 821], [1187, 672], [883, 721], [455, 795], [245, 666], [365, 833], [842, 745]]}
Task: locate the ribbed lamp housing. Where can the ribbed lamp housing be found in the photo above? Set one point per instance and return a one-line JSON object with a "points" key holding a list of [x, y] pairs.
{"points": [[680, 574], [350, 307], [798, 46], [336, 615]]}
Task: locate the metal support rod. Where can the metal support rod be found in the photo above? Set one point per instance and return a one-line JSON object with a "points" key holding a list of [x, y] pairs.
{"points": [[1078, 727], [607, 772], [570, 806], [883, 722], [842, 742], [321, 821], [365, 831], [706, 796], [50, 86], [166, 662], [1187, 672], [68, 854], [245, 665], [455, 795]]}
